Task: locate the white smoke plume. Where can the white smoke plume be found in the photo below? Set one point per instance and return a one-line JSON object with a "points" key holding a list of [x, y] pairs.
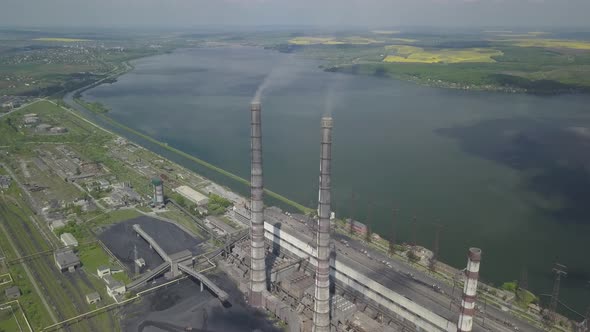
{"points": [[332, 98], [281, 75]]}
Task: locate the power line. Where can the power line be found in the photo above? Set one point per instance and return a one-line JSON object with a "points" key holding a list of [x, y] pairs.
{"points": [[433, 260], [392, 233], [369, 230], [559, 271], [352, 212]]}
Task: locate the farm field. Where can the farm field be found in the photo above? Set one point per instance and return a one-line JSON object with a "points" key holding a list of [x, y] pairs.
{"points": [[551, 43], [411, 54]]}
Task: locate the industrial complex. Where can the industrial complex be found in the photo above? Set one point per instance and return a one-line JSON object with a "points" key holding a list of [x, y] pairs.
{"points": [[135, 226]]}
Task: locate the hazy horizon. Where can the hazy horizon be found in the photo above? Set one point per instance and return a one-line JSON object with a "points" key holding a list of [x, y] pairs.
{"points": [[249, 13]]}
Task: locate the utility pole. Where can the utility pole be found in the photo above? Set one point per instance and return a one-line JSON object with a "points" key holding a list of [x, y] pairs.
{"points": [[559, 271], [392, 234]]}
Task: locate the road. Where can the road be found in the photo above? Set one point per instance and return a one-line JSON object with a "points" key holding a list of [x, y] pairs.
{"points": [[20, 107]]}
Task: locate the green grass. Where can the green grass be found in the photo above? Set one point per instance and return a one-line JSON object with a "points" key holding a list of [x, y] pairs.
{"points": [[92, 256], [524, 298], [114, 217], [9, 318]]}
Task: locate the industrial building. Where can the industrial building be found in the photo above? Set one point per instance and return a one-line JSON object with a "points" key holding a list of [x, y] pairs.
{"points": [[66, 259], [93, 298], [58, 130], [114, 287], [102, 271], [5, 181], [57, 224], [316, 284], [192, 195], [12, 292], [357, 226], [68, 240]]}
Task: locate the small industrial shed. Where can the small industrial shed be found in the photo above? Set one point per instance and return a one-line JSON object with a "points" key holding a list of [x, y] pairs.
{"points": [[114, 287], [93, 298], [102, 271], [65, 259], [12, 292], [69, 240]]}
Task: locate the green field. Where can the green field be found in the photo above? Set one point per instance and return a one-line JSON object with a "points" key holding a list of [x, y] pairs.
{"points": [[411, 54], [532, 62]]}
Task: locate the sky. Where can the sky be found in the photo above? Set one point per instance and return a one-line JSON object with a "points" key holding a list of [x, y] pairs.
{"points": [[188, 13]]}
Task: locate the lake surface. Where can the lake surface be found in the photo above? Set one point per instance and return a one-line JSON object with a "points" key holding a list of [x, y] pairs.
{"points": [[506, 173]]}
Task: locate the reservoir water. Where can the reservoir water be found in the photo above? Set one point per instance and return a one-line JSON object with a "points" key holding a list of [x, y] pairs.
{"points": [[505, 172]]}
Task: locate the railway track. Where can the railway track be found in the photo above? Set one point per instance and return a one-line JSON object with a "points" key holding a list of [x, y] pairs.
{"points": [[42, 269]]}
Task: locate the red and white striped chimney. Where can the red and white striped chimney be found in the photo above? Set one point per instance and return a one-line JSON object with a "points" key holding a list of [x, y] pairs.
{"points": [[465, 323]]}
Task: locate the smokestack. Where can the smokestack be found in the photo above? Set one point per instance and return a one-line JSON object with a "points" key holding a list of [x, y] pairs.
{"points": [[257, 264], [465, 323], [321, 314]]}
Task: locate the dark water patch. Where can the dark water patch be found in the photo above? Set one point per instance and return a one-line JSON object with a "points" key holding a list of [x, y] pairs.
{"points": [[552, 154]]}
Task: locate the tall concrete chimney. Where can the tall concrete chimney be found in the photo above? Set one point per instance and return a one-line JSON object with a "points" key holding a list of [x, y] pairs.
{"points": [[257, 264], [321, 310], [465, 323]]}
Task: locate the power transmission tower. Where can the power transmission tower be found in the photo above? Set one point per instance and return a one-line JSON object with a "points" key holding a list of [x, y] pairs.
{"points": [[369, 230], [414, 232], [559, 271], [352, 212], [523, 283], [392, 233], [435, 248]]}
